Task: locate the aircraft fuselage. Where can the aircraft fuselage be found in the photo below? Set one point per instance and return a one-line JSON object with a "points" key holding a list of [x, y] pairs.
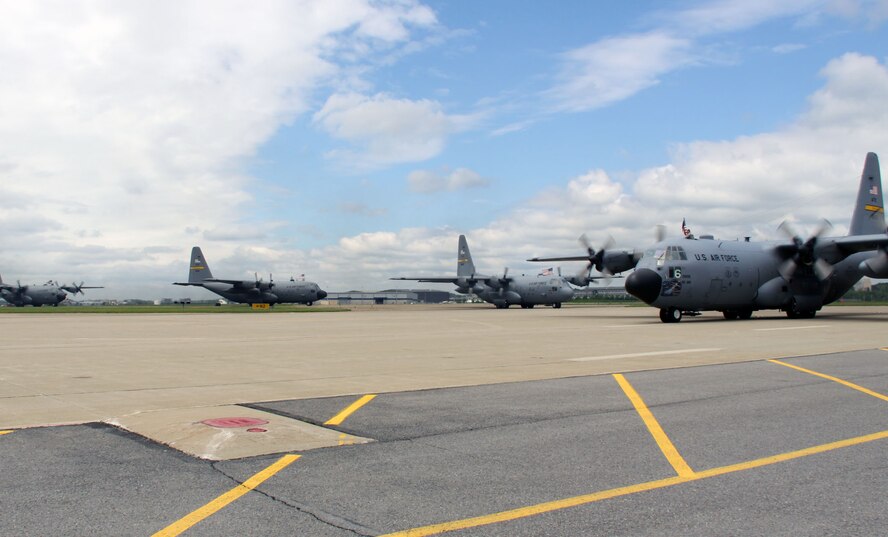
{"points": [[283, 292], [524, 291], [738, 277], [34, 295]]}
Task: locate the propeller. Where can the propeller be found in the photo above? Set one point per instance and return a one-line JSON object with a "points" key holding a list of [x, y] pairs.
{"points": [[802, 252], [659, 232], [504, 281], [596, 260], [261, 285], [73, 288], [499, 283]]}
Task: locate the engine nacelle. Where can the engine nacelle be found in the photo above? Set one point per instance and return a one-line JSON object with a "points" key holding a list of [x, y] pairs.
{"points": [[616, 261], [512, 297], [773, 294], [876, 266]]}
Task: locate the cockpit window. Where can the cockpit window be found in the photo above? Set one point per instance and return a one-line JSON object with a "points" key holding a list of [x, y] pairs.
{"points": [[673, 253]]}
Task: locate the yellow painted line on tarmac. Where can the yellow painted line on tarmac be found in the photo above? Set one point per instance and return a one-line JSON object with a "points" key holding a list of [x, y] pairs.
{"points": [[547, 507], [349, 410], [4, 432], [196, 516], [834, 379], [666, 446]]}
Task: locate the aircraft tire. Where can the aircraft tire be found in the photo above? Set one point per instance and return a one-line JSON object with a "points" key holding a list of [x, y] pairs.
{"points": [[731, 315], [556, 305], [794, 313], [670, 315], [745, 314]]}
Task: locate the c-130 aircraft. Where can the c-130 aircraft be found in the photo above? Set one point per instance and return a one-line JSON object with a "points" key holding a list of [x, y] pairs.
{"points": [[42, 294], [250, 291], [527, 291], [687, 275]]}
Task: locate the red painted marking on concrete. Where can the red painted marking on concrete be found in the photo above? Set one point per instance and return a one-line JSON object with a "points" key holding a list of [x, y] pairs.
{"points": [[227, 423], [257, 430]]}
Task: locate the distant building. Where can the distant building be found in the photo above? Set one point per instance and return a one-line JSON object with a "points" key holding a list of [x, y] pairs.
{"points": [[389, 296], [603, 292]]}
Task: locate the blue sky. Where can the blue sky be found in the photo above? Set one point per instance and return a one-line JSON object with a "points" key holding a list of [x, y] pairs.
{"points": [[353, 141]]}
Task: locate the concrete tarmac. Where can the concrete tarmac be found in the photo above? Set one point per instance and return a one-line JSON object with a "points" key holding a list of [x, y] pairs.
{"points": [[58, 369], [524, 421], [772, 450]]}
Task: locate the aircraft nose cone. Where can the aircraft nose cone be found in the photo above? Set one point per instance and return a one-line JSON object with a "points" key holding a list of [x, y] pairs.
{"points": [[322, 294], [644, 284]]}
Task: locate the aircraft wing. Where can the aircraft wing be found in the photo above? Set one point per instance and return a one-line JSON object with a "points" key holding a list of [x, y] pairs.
{"points": [[449, 279], [859, 243], [563, 258]]}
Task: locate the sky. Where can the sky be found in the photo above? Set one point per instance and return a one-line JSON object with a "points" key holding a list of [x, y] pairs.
{"points": [[352, 141]]}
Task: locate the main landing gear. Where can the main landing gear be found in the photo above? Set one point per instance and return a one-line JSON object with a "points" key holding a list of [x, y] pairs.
{"points": [[674, 315], [670, 315], [742, 314]]}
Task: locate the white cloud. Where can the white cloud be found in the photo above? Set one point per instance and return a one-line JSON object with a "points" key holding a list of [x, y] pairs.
{"points": [[127, 124], [721, 16], [427, 182], [615, 68], [387, 130], [788, 48], [805, 171]]}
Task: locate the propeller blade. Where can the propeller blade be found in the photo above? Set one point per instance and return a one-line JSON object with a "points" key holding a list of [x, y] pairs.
{"points": [[787, 269], [660, 232], [584, 240], [822, 269]]}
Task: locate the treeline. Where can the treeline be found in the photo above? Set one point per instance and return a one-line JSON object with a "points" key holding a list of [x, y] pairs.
{"points": [[878, 293]]}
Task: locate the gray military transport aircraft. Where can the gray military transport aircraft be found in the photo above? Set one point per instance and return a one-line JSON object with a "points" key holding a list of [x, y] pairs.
{"points": [[250, 291], [687, 275], [42, 294], [503, 291]]}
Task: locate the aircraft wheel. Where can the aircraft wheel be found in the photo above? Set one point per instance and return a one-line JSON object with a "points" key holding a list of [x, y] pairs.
{"points": [[556, 305], [730, 315], [794, 313], [309, 304], [745, 314], [670, 315]]}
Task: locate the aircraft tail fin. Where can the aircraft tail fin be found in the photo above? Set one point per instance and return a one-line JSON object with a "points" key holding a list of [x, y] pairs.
{"points": [[869, 212], [199, 269], [465, 267]]}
